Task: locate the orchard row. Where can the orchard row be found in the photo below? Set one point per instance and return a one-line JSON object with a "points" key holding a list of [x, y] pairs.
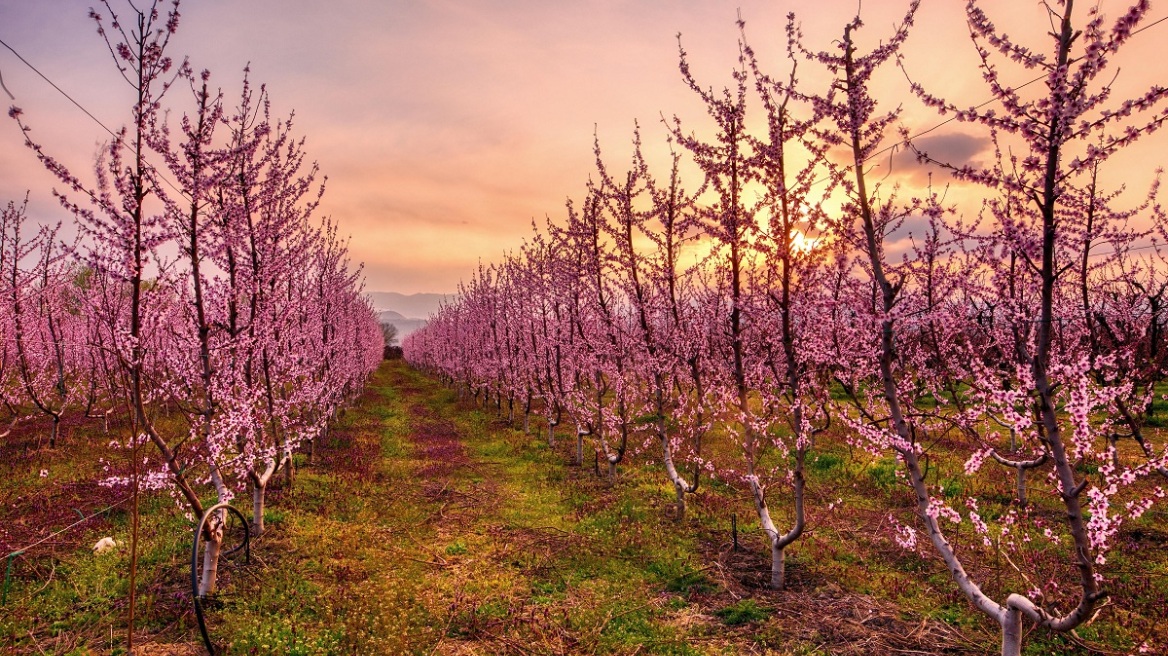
{"points": [[203, 304], [787, 292]]}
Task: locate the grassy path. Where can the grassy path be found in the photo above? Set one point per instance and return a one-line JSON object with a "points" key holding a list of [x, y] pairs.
{"points": [[428, 528]]}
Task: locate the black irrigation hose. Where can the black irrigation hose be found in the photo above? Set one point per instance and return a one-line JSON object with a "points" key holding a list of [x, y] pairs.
{"points": [[246, 545]]}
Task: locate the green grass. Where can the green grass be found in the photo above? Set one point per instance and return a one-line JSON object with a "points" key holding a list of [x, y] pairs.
{"points": [[456, 533], [742, 612]]}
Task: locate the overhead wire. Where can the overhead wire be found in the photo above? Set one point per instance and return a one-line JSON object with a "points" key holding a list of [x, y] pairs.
{"points": [[894, 146], [79, 106], [983, 104], [54, 85]]}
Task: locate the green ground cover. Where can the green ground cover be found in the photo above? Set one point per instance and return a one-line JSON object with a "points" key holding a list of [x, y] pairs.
{"points": [[424, 526]]}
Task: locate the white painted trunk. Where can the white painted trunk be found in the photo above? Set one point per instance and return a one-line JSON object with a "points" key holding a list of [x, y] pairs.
{"points": [[213, 539], [680, 485], [610, 456], [1011, 621], [213, 543], [257, 510], [778, 567], [289, 468], [259, 488]]}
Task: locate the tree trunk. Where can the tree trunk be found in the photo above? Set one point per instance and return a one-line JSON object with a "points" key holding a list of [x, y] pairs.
{"points": [[288, 467], [213, 537], [257, 508], [1011, 621], [214, 543], [680, 486], [779, 541], [778, 565]]}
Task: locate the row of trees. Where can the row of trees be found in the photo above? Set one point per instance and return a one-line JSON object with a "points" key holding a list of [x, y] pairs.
{"points": [[204, 304], [1020, 345]]}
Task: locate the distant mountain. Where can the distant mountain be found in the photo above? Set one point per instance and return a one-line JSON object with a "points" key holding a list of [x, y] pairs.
{"points": [[408, 312], [410, 306], [404, 326]]}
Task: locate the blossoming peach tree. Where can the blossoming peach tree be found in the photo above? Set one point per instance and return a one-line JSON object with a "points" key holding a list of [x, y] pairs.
{"points": [[253, 334]]}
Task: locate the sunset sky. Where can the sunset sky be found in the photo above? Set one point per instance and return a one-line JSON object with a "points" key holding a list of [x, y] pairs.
{"points": [[446, 127]]}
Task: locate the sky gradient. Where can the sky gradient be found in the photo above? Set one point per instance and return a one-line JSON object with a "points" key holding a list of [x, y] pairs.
{"points": [[446, 128]]}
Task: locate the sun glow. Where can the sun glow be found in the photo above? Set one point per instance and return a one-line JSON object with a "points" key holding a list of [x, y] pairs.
{"points": [[801, 243]]}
